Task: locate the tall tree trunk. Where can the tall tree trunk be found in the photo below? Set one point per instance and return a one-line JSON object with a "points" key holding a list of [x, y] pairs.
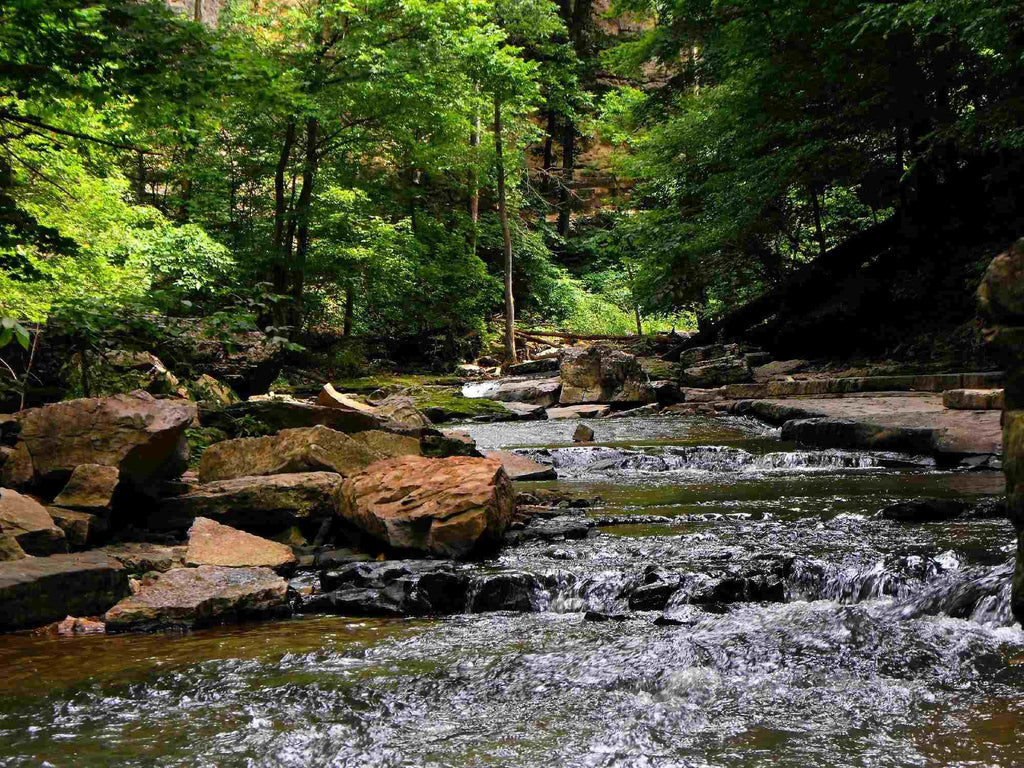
{"points": [[140, 178], [549, 150], [302, 210], [474, 185], [636, 305], [350, 293], [510, 310], [568, 173], [279, 277]]}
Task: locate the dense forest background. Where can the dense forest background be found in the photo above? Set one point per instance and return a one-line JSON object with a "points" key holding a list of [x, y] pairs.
{"points": [[366, 171]]}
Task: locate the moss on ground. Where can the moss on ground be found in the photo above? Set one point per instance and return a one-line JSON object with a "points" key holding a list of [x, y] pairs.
{"points": [[454, 404], [364, 385]]}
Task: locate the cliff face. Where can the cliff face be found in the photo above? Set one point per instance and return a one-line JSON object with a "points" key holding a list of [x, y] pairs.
{"points": [[1001, 299]]}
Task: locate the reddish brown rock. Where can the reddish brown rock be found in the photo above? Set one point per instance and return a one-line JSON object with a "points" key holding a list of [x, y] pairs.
{"points": [[520, 467], [446, 507], [188, 598], [313, 449], [210, 543], [139, 435], [329, 397], [26, 522], [597, 375], [90, 489], [81, 529]]}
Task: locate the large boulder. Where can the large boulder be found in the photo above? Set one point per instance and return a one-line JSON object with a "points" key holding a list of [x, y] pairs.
{"points": [[210, 543], [188, 598], [142, 437], [311, 449], [715, 373], [27, 523], [39, 590], [1001, 305], [543, 392], [444, 507], [402, 411], [597, 375], [146, 370], [275, 415], [329, 397], [265, 504]]}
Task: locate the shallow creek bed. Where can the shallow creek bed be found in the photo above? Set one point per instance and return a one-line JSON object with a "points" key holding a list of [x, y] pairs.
{"points": [[725, 600]]}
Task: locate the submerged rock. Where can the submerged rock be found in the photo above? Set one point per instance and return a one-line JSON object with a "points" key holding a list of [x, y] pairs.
{"points": [[445, 507], [924, 510], [39, 590], [189, 598]]}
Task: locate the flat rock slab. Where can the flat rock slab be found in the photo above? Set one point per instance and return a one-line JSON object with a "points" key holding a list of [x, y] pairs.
{"points": [[545, 365], [210, 543], [256, 504], [525, 411], [287, 414], [188, 598], [579, 412], [974, 399], [138, 558], [39, 590], [908, 424], [521, 468]]}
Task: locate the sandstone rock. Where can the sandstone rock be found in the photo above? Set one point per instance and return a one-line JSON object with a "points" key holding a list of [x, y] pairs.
{"points": [[698, 355], [596, 375], [189, 598], [27, 522], [451, 442], [210, 543], [1001, 293], [525, 411], [403, 412], [40, 590], [388, 444], [138, 558], [90, 488], [520, 467], [329, 397], [81, 529], [974, 399], [276, 415], [535, 391], [292, 537], [313, 449], [715, 373], [208, 389], [777, 368], [264, 504], [583, 434], [644, 410], [697, 395], [579, 412], [142, 437], [544, 365], [667, 392], [548, 354], [447, 507], [71, 625], [154, 376]]}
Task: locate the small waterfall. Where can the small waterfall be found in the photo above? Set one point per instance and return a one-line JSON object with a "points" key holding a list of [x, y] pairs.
{"points": [[981, 595]]}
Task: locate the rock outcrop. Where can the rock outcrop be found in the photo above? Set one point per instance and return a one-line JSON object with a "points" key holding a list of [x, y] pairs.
{"points": [[210, 543], [973, 399], [266, 504], [39, 590], [142, 437], [442, 507], [26, 522], [311, 449], [1001, 305], [598, 375], [189, 598]]}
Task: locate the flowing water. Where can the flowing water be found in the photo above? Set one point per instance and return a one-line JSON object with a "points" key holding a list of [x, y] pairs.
{"points": [[756, 611]]}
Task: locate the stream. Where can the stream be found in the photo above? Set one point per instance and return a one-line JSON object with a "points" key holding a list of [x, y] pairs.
{"points": [[737, 601]]}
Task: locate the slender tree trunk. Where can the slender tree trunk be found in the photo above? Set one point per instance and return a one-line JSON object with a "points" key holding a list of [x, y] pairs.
{"points": [[510, 310], [302, 211], [349, 309], [474, 185], [549, 150], [140, 178], [568, 173], [636, 306], [819, 233], [280, 268]]}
